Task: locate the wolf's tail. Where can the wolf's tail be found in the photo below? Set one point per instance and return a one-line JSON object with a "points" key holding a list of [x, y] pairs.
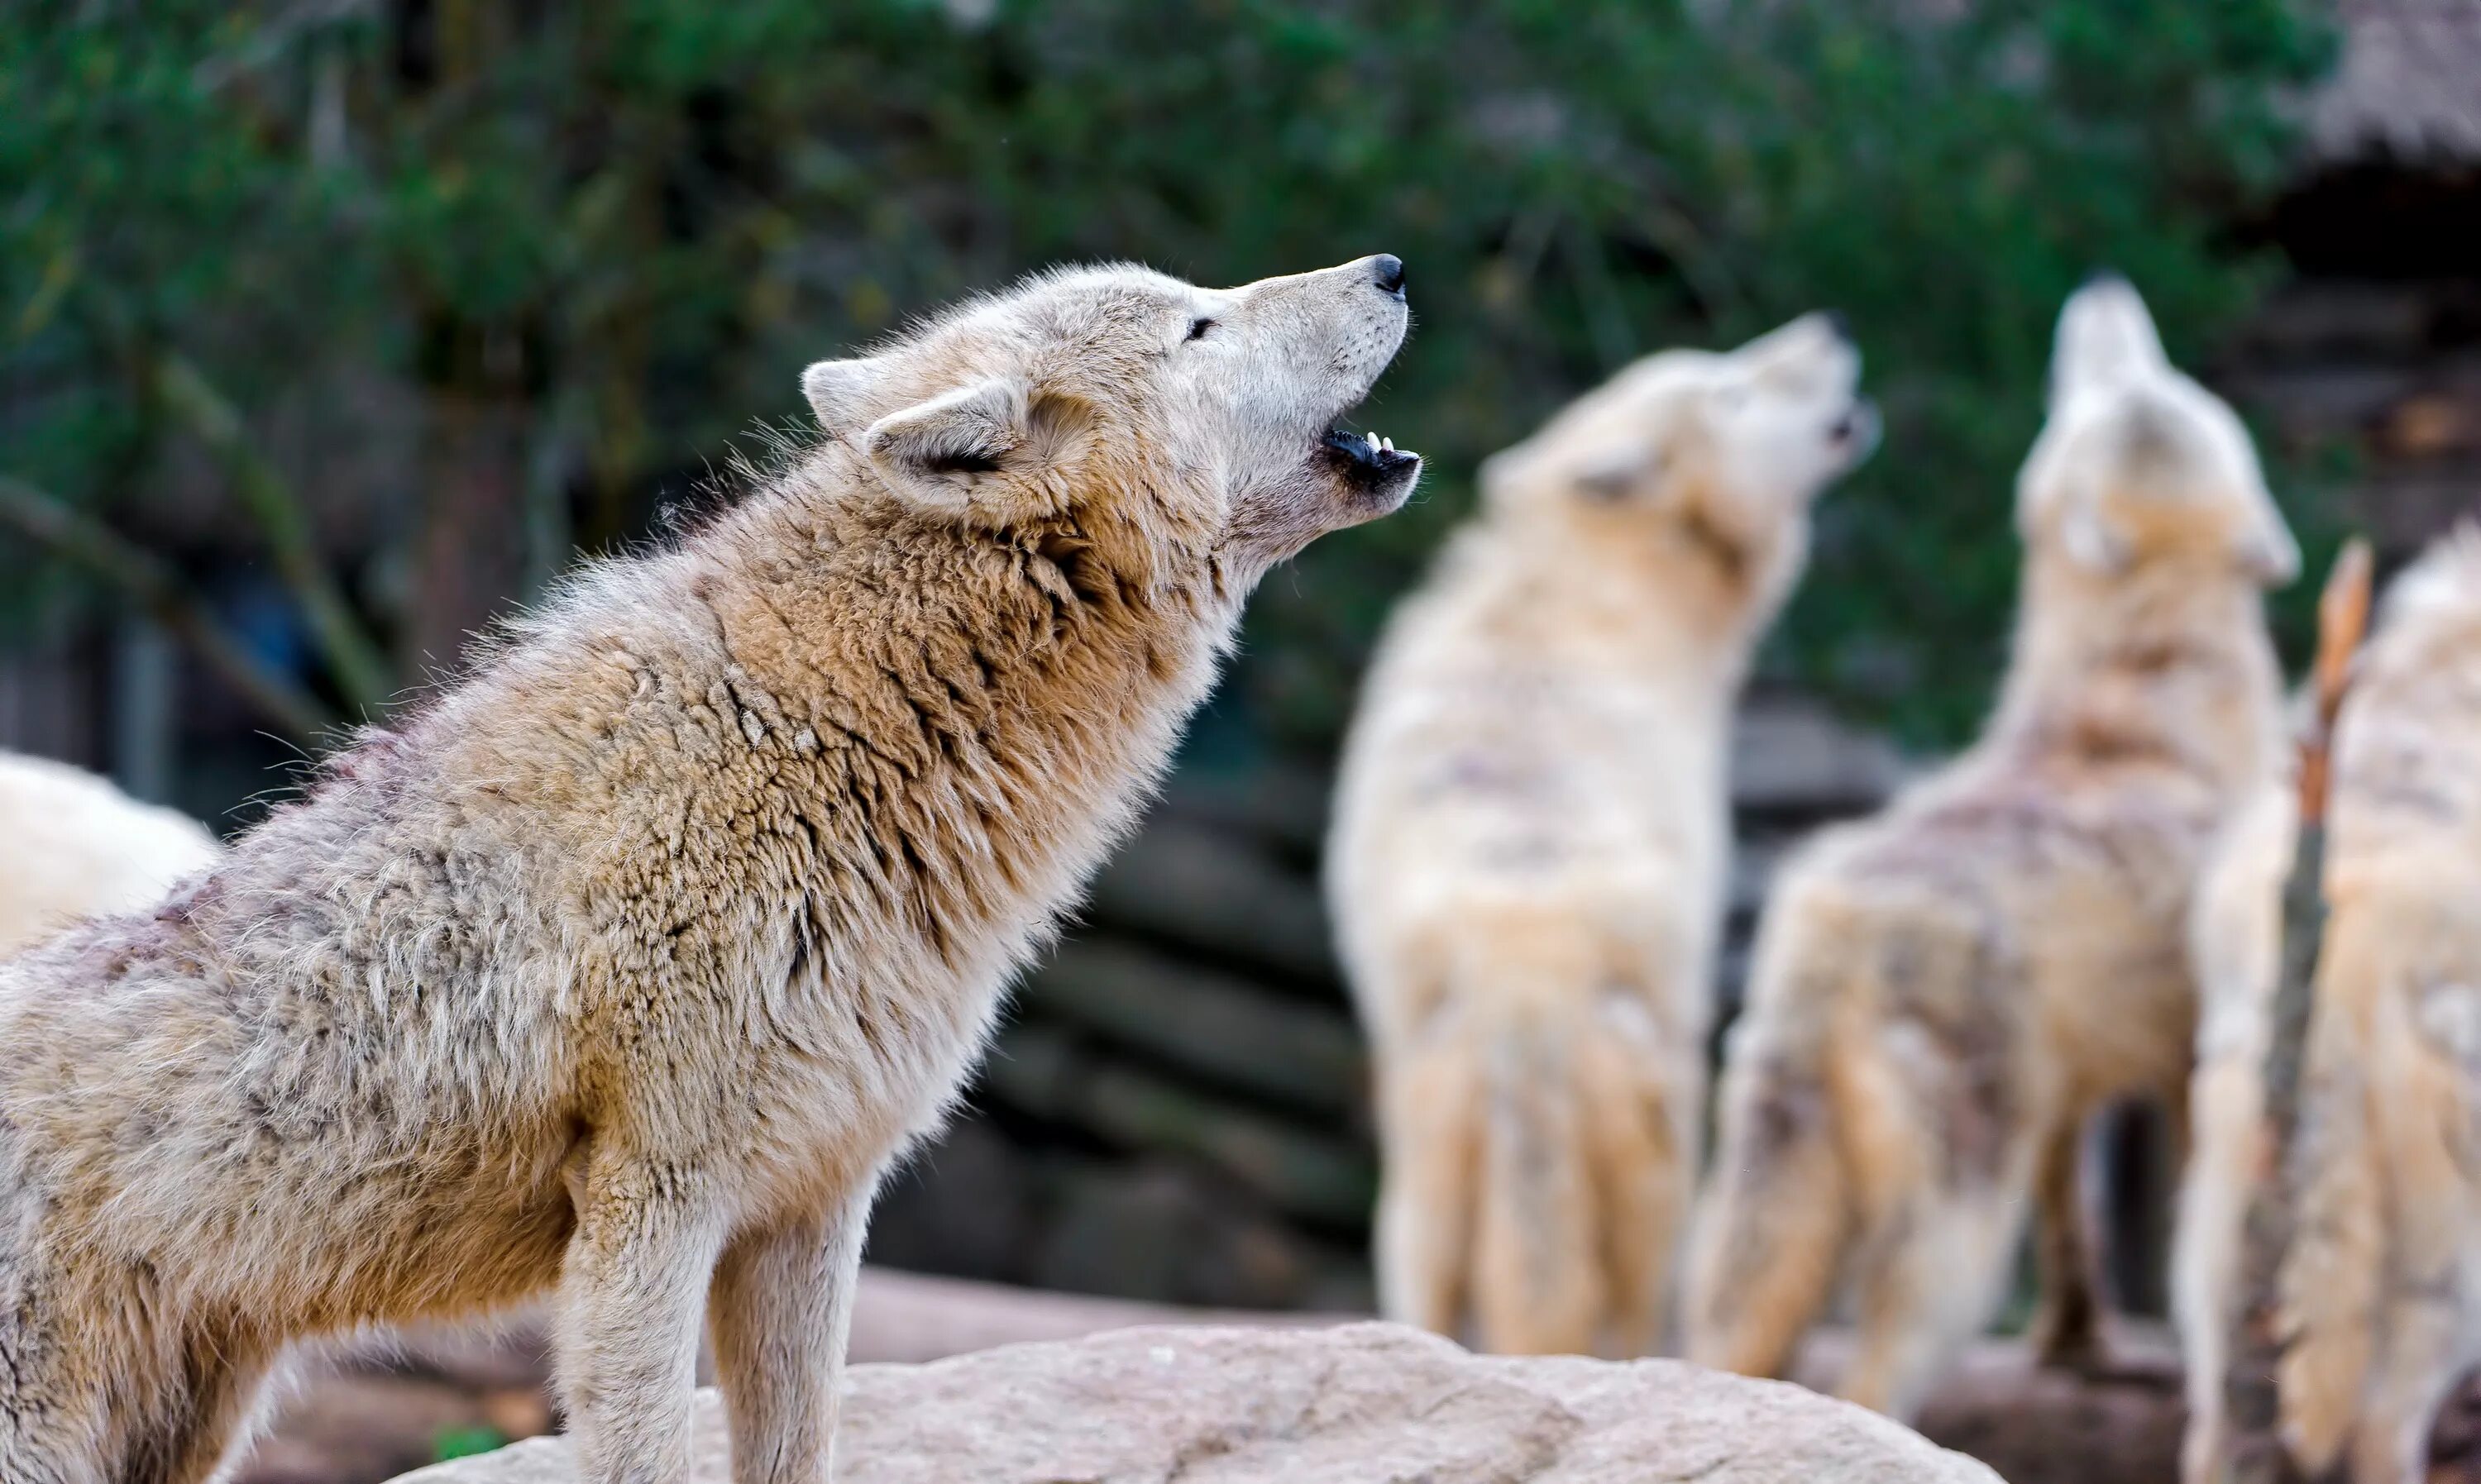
{"points": [[2332, 1275], [1777, 1209], [1537, 1130], [1430, 1130], [1585, 1173], [1537, 1282]]}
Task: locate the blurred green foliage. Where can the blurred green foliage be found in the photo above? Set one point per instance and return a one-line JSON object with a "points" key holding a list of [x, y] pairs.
{"points": [[466, 1442], [635, 219]]}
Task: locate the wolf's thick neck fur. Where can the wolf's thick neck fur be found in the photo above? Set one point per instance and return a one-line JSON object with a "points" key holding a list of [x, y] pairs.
{"points": [[2169, 663], [1706, 599]]}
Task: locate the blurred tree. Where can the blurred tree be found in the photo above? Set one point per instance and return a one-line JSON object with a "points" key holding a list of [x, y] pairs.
{"points": [[595, 238]]}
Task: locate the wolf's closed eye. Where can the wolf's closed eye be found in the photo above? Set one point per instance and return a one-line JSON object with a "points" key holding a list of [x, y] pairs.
{"points": [[1198, 327]]}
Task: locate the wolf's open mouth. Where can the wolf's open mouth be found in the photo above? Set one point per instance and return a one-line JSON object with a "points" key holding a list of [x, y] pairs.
{"points": [[1368, 460]]}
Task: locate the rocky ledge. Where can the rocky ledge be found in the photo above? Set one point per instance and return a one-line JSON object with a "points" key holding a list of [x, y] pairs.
{"points": [[1356, 1404]]}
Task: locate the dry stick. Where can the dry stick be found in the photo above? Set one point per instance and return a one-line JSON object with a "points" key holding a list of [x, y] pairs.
{"points": [[361, 670], [2256, 1454], [175, 381], [166, 599]]}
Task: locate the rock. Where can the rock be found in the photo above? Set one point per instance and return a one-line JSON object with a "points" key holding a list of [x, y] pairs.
{"points": [[1362, 1402], [911, 1318]]}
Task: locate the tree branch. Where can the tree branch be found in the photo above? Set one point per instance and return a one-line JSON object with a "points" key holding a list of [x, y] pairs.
{"points": [[153, 585], [360, 668], [2254, 1452]]}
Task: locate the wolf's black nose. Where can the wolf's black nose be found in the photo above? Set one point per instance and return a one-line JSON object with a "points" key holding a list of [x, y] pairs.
{"points": [[1389, 270]]}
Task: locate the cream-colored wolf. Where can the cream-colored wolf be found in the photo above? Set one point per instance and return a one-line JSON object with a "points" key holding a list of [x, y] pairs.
{"points": [[627, 967], [2236, 932], [1531, 835], [1942, 995], [2382, 1288], [77, 846]]}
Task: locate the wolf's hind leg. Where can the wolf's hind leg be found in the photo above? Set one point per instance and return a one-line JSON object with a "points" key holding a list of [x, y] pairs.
{"points": [[2417, 1369], [1929, 1273], [51, 1429], [1431, 1129], [1641, 1142], [1770, 1229], [2066, 1330], [55, 1413]]}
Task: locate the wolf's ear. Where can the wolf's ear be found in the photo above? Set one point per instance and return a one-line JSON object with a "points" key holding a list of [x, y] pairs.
{"points": [[2266, 549], [1524, 471], [1500, 474], [2104, 336], [995, 449], [1618, 475], [839, 390], [2160, 453], [939, 450]]}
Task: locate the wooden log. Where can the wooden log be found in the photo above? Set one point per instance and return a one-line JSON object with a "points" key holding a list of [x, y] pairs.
{"points": [[1220, 892], [1278, 805], [2256, 1455], [1304, 1174], [1218, 1026]]}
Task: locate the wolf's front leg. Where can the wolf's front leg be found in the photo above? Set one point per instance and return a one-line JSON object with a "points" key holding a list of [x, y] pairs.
{"points": [[632, 1285], [779, 1313]]}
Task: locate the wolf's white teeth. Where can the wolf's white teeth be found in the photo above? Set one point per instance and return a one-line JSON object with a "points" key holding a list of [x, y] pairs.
{"points": [[1387, 444]]}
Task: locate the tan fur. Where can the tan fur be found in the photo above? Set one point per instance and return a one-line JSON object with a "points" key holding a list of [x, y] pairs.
{"points": [[1530, 835], [2382, 1288], [76, 847], [628, 965], [2236, 936], [1942, 995]]}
